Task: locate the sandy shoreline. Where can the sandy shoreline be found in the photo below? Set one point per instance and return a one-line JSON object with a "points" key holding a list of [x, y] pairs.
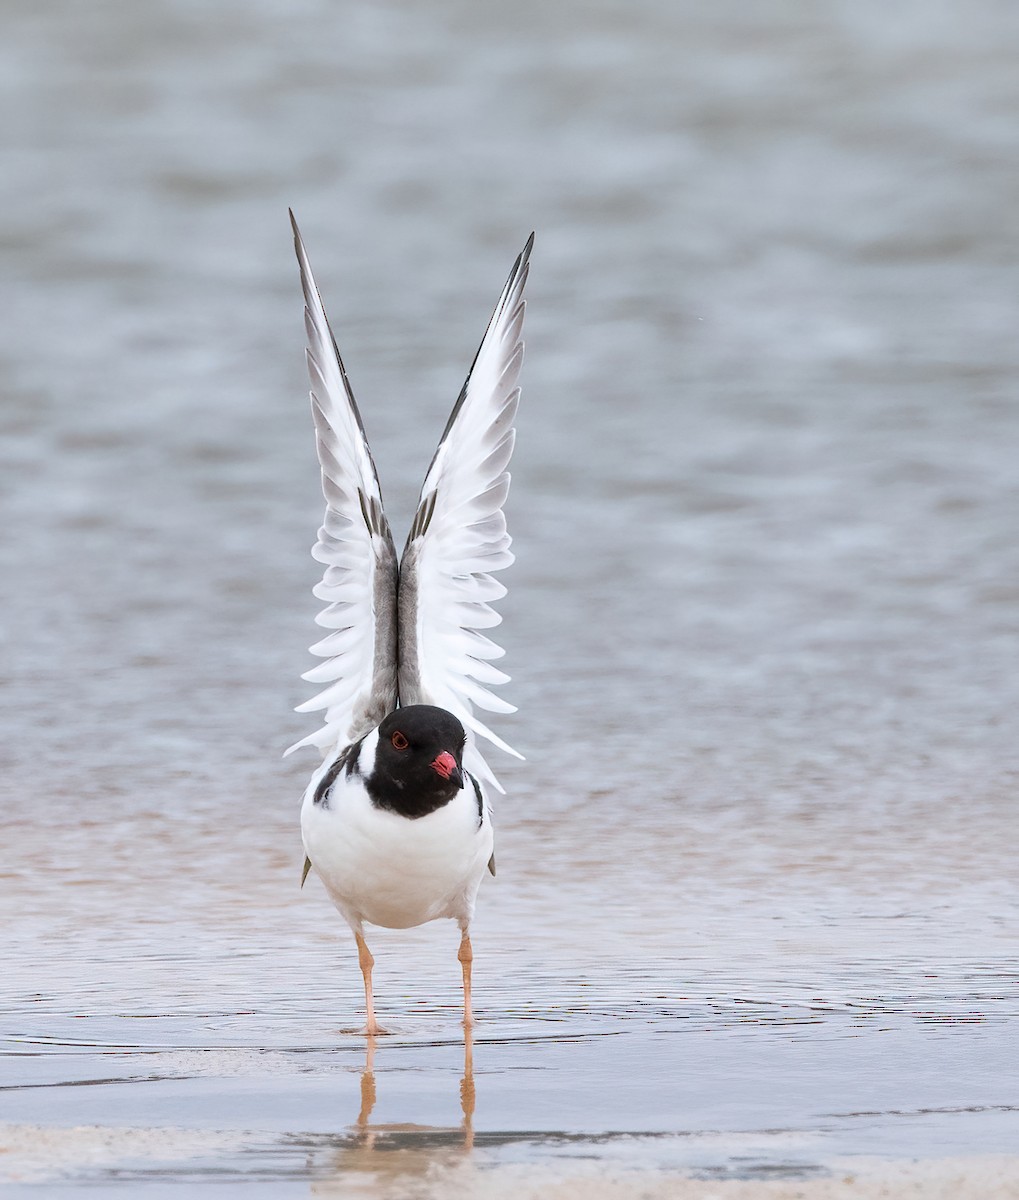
{"points": [[36, 1154], [990, 1178], [994, 1178]]}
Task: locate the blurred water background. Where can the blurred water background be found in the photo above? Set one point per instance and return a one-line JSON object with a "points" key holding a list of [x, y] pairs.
{"points": [[762, 625]]}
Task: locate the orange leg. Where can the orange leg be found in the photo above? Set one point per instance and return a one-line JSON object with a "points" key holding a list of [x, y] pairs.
{"points": [[364, 958], [466, 957]]}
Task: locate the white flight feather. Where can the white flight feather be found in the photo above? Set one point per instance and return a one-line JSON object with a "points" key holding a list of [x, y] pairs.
{"points": [[459, 536], [355, 546]]}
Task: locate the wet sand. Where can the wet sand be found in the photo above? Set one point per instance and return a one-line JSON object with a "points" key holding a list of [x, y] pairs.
{"points": [[568, 1087]]}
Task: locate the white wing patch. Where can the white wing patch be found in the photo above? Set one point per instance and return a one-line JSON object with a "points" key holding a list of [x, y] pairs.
{"points": [[458, 538], [355, 546]]}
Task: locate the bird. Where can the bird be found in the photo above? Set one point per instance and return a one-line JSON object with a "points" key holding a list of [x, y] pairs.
{"points": [[397, 819]]}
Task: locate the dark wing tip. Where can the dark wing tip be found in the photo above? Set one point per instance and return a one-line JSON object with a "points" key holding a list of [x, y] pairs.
{"points": [[525, 254], [521, 263]]}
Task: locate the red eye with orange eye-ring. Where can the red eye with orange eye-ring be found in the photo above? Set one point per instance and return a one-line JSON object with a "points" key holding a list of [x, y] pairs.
{"points": [[399, 741]]}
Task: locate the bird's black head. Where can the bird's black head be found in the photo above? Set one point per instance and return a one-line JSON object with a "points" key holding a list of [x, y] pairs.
{"points": [[418, 760]]}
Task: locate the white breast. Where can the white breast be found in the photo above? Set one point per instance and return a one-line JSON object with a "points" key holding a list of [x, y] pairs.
{"points": [[388, 869]]}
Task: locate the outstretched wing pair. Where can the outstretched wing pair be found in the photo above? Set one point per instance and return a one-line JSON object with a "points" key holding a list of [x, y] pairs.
{"points": [[409, 633]]}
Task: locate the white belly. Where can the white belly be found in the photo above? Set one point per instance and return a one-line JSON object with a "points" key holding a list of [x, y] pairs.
{"points": [[390, 870]]}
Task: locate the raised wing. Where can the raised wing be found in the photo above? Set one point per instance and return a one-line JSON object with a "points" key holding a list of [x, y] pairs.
{"points": [[459, 537], [360, 580]]}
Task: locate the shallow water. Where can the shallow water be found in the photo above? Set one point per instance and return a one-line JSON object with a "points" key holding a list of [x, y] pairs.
{"points": [[756, 909]]}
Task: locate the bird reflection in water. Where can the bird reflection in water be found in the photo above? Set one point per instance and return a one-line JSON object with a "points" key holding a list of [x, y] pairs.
{"points": [[369, 1132], [398, 1151]]}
